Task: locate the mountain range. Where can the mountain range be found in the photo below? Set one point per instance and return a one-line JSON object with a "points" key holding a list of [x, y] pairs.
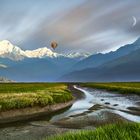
{"points": [[34, 65], [99, 59], [8, 50], [44, 64], [120, 65]]}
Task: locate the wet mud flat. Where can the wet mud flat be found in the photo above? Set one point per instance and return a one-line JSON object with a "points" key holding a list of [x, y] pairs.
{"points": [[95, 108], [99, 108]]}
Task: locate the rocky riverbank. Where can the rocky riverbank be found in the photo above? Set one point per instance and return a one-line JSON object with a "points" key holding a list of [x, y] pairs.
{"points": [[34, 112]]}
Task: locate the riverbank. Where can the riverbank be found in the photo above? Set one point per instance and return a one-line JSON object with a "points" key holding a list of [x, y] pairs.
{"points": [[112, 116], [31, 112], [99, 107], [77, 94], [60, 95], [120, 87]]}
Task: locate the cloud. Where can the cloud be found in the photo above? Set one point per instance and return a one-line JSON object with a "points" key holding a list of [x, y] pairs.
{"points": [[82, 25]]}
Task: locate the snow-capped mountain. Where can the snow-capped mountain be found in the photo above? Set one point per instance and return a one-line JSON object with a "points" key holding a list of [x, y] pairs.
{"points": [[8, 50], [78, 55], [40, 53]]}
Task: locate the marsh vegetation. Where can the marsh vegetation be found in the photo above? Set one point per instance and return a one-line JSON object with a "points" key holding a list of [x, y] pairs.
{"points": [[22, 95], [120, 87]]}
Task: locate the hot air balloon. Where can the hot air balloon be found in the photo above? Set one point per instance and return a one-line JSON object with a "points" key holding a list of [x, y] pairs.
{"points": [[54, 45]]}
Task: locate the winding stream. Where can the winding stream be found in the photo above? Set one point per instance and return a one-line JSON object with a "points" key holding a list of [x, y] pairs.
{"points": [[113, 102], [97, 108]]}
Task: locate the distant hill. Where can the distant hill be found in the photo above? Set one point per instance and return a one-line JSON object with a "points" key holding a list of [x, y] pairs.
{"points": [[35, 70], [125, 68], [99, 59]]}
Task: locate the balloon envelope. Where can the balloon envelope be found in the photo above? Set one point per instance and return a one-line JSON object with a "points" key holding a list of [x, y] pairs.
{"points": [[54, 45]]}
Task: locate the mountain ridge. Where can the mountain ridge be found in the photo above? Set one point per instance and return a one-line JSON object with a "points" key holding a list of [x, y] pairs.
{"points": [[125, 68], [8, 50], [99, 59], [41, 68]]}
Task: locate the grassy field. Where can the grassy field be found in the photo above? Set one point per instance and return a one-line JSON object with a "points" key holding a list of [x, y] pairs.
{"points": [[128, 131], [22, 95], [128, 87]]}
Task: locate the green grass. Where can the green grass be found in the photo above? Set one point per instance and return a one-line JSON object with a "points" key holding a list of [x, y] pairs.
{"points": [[22, 95], [122, 87], [128, 131], [25, 87]]}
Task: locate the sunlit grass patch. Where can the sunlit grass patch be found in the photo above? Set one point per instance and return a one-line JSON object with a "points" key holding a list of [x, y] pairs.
{"points": [[124, 131], [20, 95]]}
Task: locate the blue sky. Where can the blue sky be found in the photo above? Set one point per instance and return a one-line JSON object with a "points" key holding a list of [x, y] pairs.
{"points": [[77, 25]]}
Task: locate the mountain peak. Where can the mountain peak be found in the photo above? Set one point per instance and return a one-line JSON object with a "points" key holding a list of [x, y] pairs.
{"points": [[41, 52], [8, 50], [5, 44], [79, 55]]}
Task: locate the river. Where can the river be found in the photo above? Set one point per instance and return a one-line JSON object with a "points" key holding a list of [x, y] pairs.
{"points": [[99, 107]]}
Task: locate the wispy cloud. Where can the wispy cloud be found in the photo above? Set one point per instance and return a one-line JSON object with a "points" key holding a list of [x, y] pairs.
{"points": [[81, 25]]}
